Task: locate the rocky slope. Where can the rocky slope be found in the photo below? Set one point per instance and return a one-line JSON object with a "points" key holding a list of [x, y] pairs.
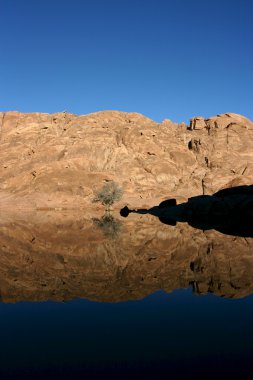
{"points": [[60, 160], [60, 256]]}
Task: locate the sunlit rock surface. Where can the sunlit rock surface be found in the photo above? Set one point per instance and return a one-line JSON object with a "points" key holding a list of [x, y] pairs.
{"points": [[60, 160], [61, 256]]}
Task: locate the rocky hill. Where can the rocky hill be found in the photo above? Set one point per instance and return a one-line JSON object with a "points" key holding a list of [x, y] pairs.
{"points": [[60, 160]]}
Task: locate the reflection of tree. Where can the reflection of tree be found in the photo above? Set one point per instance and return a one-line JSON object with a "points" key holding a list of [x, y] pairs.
{"points": [[110, 226]]}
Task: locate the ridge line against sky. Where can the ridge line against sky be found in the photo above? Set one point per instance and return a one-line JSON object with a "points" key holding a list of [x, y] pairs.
{"points": [[165, 59]]}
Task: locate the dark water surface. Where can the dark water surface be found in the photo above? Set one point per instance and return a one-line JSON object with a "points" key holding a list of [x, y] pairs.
{"points": [[136, 300], [163, 334]]}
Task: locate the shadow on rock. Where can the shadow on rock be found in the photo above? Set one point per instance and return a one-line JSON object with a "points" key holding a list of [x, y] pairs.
{"points": [[110, 226], [229, 211]]}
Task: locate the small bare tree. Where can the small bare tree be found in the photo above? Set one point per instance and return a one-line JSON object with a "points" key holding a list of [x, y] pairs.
{"points": [[110, 193]]}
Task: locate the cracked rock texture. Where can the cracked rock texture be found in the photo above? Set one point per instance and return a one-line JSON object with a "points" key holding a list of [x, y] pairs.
{"points": [[60, 160]]}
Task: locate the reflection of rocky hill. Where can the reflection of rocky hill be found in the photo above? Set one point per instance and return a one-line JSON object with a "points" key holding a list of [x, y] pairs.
{"points": [[59, 159], [60, 257]]}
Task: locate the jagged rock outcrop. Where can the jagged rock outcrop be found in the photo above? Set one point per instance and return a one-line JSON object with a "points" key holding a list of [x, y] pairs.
{"points": [[61, 256], [59, 160]]}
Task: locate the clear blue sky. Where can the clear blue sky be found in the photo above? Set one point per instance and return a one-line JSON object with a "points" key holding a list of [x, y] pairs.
{"points": [[163, 58]]}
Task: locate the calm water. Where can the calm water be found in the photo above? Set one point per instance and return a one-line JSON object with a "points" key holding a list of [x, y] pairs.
{"points": [[85, 300]]}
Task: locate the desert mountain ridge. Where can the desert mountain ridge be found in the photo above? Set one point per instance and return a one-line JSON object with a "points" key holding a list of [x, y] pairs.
{"points": [[61, 159]]}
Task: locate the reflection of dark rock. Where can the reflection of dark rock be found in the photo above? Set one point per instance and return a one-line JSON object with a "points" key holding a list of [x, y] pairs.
{"points": [[60, 257], [109, 225], [229, 211]]}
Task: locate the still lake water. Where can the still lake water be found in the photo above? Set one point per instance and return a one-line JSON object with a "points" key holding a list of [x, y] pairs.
{"points": [[84, 299]]}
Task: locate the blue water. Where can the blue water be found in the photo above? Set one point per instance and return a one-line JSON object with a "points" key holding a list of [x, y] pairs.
{"points": [[162, 336]]}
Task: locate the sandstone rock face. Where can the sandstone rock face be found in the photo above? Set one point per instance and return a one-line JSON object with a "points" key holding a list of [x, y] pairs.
{"points": [[60, 160], [61, 256]]}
